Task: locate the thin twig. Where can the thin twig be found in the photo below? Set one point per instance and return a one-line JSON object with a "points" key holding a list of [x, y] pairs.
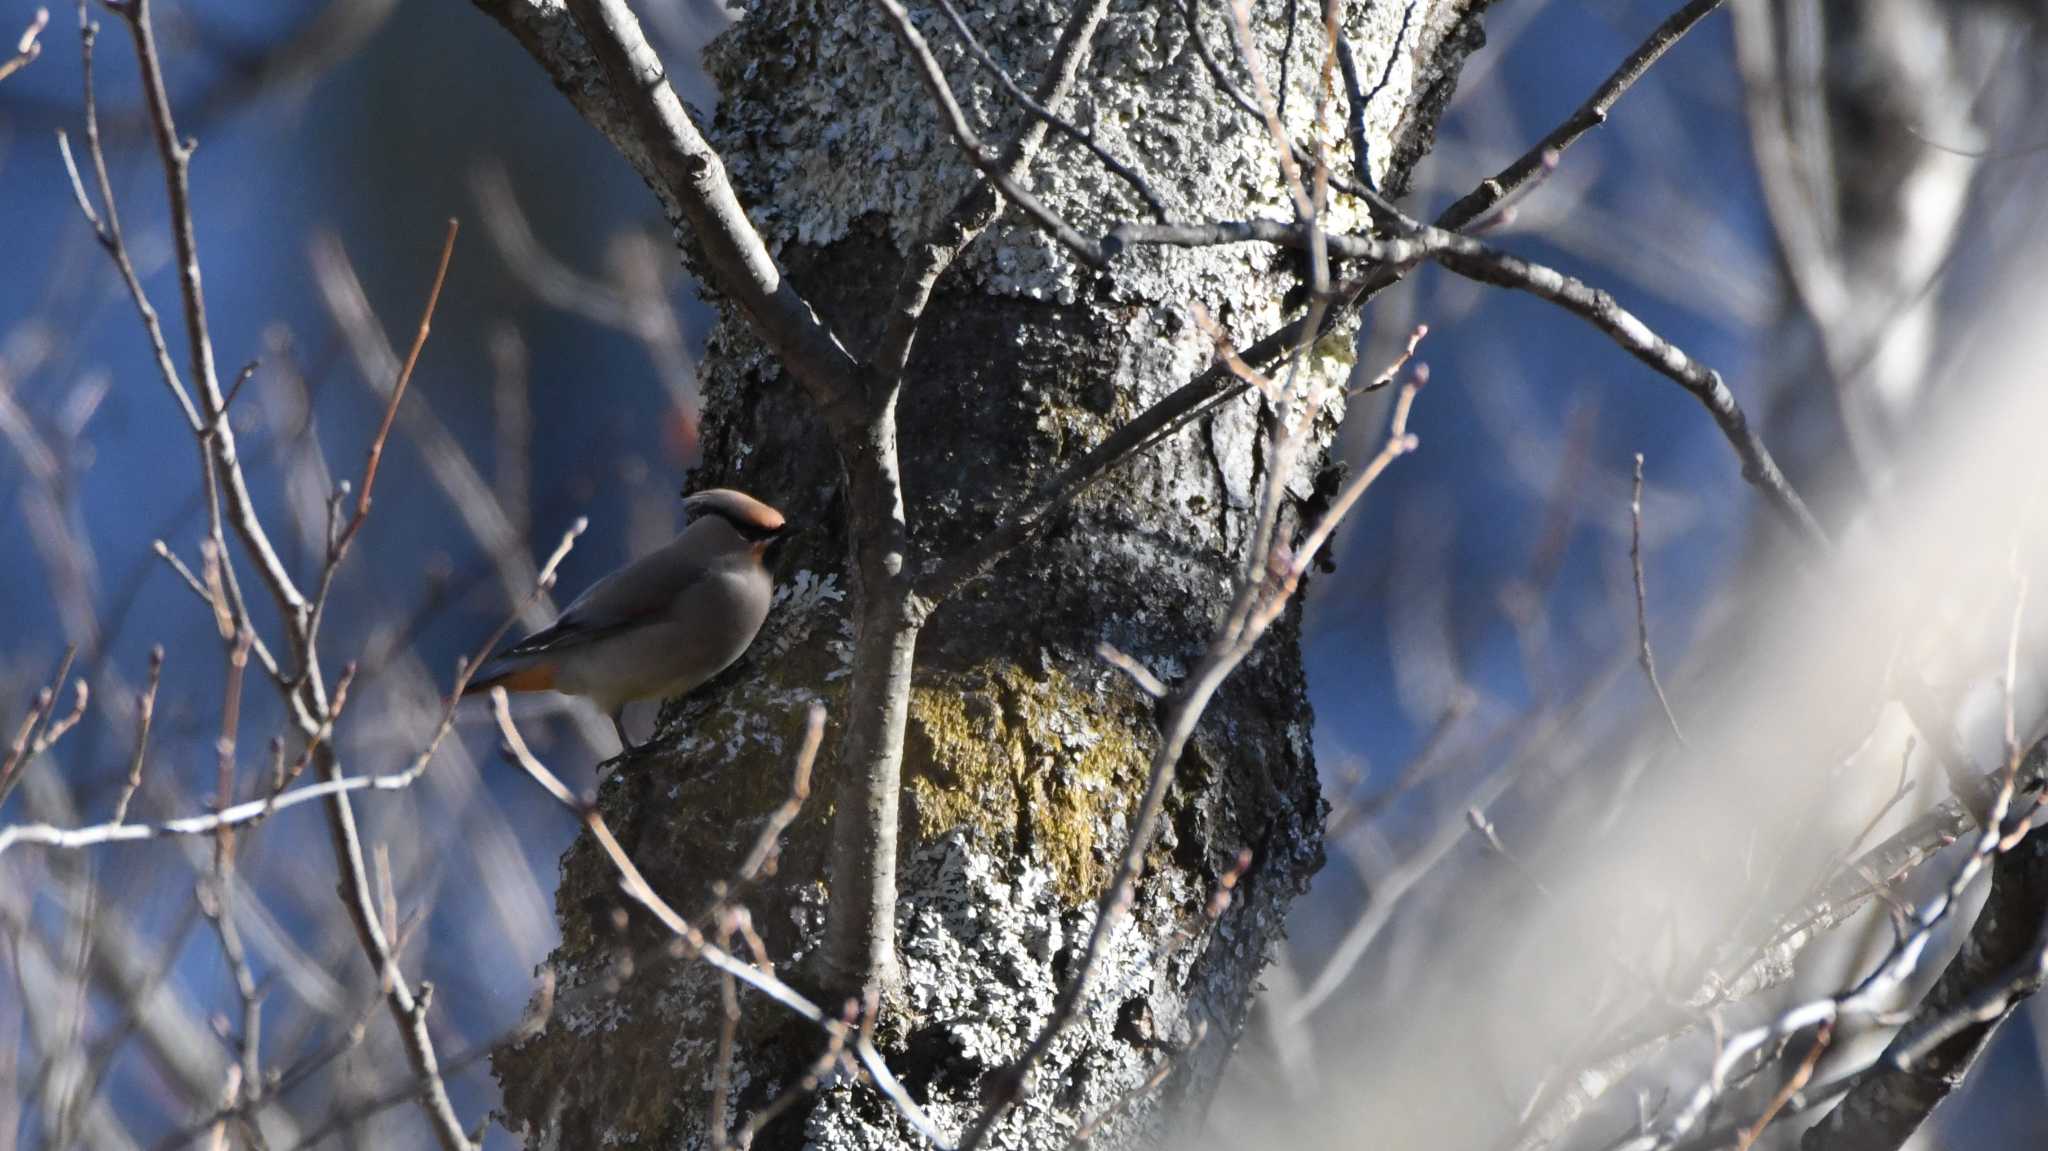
{"points": [[990, 164], [762, 857], [28, 47], [979, 208], [1089, 1126], [1793, 1085], [217, 891], [813, 1076], [38, 730], [338, 540], [145, 712], [1141, 675], [1384, 211], [218, 435], [1241, 30], [1645, 659], [412, 358], [1477, 261], [207, 824], [728, 1032], [656, 132], [1043, 113], [247, 373], [1541, 156]]}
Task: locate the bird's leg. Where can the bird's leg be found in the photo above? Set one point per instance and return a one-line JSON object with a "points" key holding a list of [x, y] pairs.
{"points": [[626, 746]]}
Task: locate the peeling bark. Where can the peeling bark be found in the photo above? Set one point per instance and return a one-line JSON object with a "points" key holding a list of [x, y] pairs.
{"points": [[1022, 755]]}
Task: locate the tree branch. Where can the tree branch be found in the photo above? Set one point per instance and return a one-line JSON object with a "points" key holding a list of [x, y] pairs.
{"points": [[1477, 261], [980, 207], [219, 437], [598, 57], [1868, 998], [991, 165], [1186, 403], [1540, 158], [28, 47], [1645, 658]]}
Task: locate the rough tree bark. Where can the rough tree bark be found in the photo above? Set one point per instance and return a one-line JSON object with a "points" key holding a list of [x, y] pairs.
{"points": [[1024, 754]]}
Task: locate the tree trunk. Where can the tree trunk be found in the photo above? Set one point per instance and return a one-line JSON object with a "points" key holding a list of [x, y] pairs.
{"points": [[1024, 754]]}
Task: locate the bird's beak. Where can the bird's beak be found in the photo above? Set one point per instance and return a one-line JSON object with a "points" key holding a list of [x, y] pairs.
{"points": [[764, 540]]}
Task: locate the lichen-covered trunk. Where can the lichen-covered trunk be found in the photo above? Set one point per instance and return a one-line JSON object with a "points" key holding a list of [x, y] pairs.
{"points": [[1024, 755]]}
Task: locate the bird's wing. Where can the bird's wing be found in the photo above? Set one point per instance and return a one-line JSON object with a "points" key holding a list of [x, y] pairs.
{"points": [[645, 588]]}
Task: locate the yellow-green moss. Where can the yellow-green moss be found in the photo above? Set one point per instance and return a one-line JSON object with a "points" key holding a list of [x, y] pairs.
{"points": [[1009, 754]]}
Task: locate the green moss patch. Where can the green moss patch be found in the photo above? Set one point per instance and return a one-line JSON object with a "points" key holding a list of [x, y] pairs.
{"points": [[1015, 756]]}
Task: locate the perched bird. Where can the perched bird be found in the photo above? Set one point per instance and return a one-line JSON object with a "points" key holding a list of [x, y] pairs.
{"points": [[661, 625]]}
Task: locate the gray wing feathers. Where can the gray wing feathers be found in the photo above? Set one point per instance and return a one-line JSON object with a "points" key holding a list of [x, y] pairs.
{"points": [[645, 588]]}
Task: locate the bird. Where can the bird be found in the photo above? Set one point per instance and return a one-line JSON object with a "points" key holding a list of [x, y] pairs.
{"points": [[662, 625]]}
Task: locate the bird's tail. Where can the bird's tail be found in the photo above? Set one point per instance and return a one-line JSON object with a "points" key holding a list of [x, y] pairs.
{"points": [[513, 673]]}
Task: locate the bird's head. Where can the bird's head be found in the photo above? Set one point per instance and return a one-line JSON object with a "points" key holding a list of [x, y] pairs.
{"points": [[756, 522]]}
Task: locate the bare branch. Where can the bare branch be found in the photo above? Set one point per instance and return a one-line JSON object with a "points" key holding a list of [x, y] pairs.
{"points": [[979, 207], [1644, 657], [598, 56], [1065, 65], [207, 596], [2001, 962], [28, 47], [1535, 163], [991, 165], [145, 712], [1477, 261], [412, 358], [221, 471], [1868, 999], [248, 811], [208, 824], [1990, 1004], [38, 731], [1793, 1085], [219, 438]]}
